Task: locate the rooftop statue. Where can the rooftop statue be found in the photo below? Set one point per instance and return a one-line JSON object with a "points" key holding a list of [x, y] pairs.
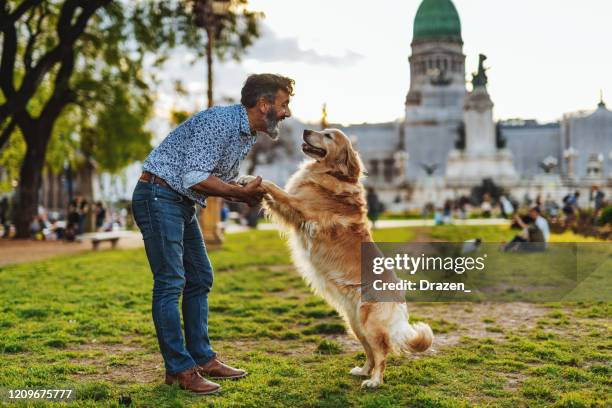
{"points": [[480, 78]]}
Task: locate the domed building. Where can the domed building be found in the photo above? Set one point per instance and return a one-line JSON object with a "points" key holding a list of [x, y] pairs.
{"points": [[437, 20], [448, 142], [436, 97]]}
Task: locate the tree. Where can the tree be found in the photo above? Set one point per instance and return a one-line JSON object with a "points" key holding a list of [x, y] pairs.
{"points": [[230, 29], [21, 78], [86, 63]]}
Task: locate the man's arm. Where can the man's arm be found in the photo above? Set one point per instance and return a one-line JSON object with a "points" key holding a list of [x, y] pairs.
{"points": [[213, 186]]}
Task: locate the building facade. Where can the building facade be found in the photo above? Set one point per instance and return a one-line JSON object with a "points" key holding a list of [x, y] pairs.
{"points": [[448, 140]]}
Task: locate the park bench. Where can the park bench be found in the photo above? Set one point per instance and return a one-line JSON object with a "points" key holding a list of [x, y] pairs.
{"points": [[97, 237]]}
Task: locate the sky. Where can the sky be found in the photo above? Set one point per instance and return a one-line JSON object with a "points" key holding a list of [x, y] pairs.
{"points": [[545, 57]]}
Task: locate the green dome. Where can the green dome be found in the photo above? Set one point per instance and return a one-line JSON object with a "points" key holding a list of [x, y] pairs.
{"points": [[437, 20]]}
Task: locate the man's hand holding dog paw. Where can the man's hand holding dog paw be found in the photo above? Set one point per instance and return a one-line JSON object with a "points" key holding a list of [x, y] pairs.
{"points": [[244, 180], [252, 192]]}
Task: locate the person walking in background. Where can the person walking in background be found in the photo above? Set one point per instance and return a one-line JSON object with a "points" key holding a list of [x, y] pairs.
{"points": [[486, 207], [570, 207], [72, 222], [597, 198], [506, 207], [375, 207], [224, 215], [4, 221], [100, 213], [84, 209], [447, 214], [462, 207]]}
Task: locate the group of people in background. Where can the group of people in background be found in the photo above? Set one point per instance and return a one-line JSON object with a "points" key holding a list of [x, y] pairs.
{"points": [[80, 216], [534, 223]]}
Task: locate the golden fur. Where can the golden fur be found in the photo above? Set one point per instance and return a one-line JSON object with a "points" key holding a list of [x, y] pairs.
{"points": [[323, 211]]}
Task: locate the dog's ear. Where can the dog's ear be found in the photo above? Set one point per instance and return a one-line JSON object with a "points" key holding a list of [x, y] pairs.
{"points": [[349, 162]]}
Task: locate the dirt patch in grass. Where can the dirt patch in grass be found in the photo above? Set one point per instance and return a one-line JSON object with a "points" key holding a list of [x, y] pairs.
{"points": [[478, 320], [463, 320], [18, 251], [119, 363], [513, 381]]}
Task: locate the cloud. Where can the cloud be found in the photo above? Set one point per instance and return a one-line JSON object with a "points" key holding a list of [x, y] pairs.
{"points": [[272, 48]]}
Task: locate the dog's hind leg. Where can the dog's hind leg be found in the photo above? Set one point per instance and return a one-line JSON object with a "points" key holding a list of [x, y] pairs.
{"points": [[380, 343], [365, 370], [378, 339]]}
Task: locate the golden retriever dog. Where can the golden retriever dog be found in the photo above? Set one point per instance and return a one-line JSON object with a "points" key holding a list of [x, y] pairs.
{"points": [[323, 212]]}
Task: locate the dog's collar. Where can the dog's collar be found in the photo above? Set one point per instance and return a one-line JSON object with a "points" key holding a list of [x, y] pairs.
{"points": [[342, 177]]}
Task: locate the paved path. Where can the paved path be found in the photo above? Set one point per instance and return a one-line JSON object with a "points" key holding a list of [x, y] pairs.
{"points": [[12, 252], [17, 251]]}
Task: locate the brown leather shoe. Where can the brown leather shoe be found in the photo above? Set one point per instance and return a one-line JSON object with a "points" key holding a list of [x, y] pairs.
{"points": [[219, 371], [190, 380]]}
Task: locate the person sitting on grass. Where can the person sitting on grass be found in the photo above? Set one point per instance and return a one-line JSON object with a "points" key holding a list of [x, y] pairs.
{"points": [[535, 233]]}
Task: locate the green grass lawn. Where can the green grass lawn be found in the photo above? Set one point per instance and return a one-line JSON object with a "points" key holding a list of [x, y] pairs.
{"points": [[84, 322]]}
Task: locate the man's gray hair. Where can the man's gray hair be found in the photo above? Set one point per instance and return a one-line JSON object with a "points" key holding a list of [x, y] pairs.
{"points": [[264, 86]]}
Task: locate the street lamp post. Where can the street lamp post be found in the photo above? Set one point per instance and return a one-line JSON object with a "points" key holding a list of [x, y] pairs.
{"points": [[210, 15]]}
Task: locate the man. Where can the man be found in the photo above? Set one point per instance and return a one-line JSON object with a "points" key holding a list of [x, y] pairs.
{"points": [[535, 233], [597, 197], [100, 213], [374, 206], [198, 159], [4, 220]]}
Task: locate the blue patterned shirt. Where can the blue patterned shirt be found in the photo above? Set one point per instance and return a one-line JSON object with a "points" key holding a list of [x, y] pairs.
{"points": [[211, 142]]}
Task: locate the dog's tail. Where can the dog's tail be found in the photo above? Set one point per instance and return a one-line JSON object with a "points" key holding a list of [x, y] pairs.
{"points": [[422, 338], [417, 337]]}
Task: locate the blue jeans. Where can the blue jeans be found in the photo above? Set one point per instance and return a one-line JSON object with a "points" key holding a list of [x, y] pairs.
{"points": [[180, 265]]}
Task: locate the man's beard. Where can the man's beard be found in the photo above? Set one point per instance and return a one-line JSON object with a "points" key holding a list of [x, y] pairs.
{"points": [[272, 122]]}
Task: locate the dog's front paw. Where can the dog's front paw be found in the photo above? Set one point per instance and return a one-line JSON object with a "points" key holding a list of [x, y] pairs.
{"points": [[370, 383], [359, 372], [244, 180]]}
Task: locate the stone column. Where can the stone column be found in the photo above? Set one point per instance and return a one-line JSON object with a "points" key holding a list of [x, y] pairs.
{"points": [[479, 125]]}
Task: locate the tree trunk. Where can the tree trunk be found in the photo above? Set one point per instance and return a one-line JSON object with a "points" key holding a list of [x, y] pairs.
{"points": [[210, 217], [209, 63], [30, 178]]}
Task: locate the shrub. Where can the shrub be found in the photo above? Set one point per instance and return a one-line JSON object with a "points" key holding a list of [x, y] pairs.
{"points": [[606, 216]]}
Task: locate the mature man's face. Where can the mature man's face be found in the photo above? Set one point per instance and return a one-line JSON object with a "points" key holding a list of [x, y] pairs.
{"points": [[276, 113]]}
